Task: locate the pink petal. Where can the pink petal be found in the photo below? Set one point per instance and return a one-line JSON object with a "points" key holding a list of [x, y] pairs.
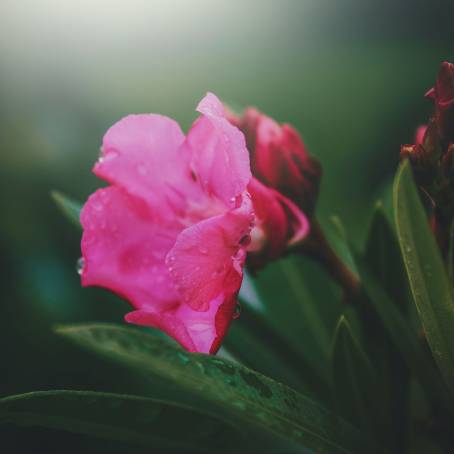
{"points": [[279, 224], [194, 330], [219, 155], [208, 257], [299, 225], [124, 245], [419, 135], [142, 154], [270, 233]]}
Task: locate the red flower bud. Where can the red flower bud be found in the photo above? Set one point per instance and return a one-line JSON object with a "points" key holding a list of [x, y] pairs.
{"points": [[443, 95], [419, 135], [279, 158]]}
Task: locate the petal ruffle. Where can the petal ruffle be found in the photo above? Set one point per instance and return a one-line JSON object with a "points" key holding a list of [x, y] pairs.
{"points": [[280, 223], [124, 245], [142, 153], [219, 155], [196, 331], [208, 257]]}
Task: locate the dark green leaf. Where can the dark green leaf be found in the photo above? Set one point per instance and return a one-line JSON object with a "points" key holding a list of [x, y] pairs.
{"points": [[296, 302], [69, 207], [451, 253], [307, 306], [240, 394], [353, 378], [429, 282], [404, 338], [383, 257], [120, 417], [259, 345]]}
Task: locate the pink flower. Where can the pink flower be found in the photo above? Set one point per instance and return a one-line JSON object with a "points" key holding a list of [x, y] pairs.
{"points": [[171, 231]]}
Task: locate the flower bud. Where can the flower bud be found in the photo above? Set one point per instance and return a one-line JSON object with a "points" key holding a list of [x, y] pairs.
{"points": [[279, 225], [424, 155], [279, 158], [443, 96]]}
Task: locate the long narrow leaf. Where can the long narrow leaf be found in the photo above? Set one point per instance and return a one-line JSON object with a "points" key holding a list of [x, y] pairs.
{"points": [[120, 417], [403, 336], [429, 282], [241, 394], [383, 257], [353, 378]]}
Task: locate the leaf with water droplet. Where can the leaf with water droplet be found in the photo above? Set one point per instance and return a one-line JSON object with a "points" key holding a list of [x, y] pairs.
{"points": [[239, 400], [431, 288]]}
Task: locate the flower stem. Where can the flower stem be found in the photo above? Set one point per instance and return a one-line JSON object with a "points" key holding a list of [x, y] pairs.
{"points": [[318, 248]]}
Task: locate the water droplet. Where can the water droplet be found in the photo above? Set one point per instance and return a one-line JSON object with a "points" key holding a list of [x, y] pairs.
{"points": [[183, 358], [236, 312], [203, 250], [239, 404], [97, 206], [245, 240], [109, 154], [80, 265]]}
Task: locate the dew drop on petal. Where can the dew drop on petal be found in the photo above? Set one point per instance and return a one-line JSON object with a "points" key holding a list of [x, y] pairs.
{"points": [[80, 265], [236, 312], [245, 240], [109, 154]]}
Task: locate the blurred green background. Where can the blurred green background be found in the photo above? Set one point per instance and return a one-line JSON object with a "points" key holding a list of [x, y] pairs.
{"points": [[349, 75]]}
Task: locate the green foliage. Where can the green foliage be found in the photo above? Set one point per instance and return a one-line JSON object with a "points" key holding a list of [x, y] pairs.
{"points": [[241, 395], [138, 420], [353, 378], [430, 285]]}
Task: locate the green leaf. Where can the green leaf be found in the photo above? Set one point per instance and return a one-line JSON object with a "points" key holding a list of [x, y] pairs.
{"points": [[259, 345], [296, 304], [69, 207], [242, 395], [404, 338], [429, 282], [353, 378], [451, 253], [120, 417], [307, 307], [383, 257]]}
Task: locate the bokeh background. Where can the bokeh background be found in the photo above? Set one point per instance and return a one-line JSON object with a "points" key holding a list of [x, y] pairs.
{"points": [[350, 75]]}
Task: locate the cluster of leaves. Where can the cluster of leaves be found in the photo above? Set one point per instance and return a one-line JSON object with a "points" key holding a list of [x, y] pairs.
{"points": [[354, 385]]}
